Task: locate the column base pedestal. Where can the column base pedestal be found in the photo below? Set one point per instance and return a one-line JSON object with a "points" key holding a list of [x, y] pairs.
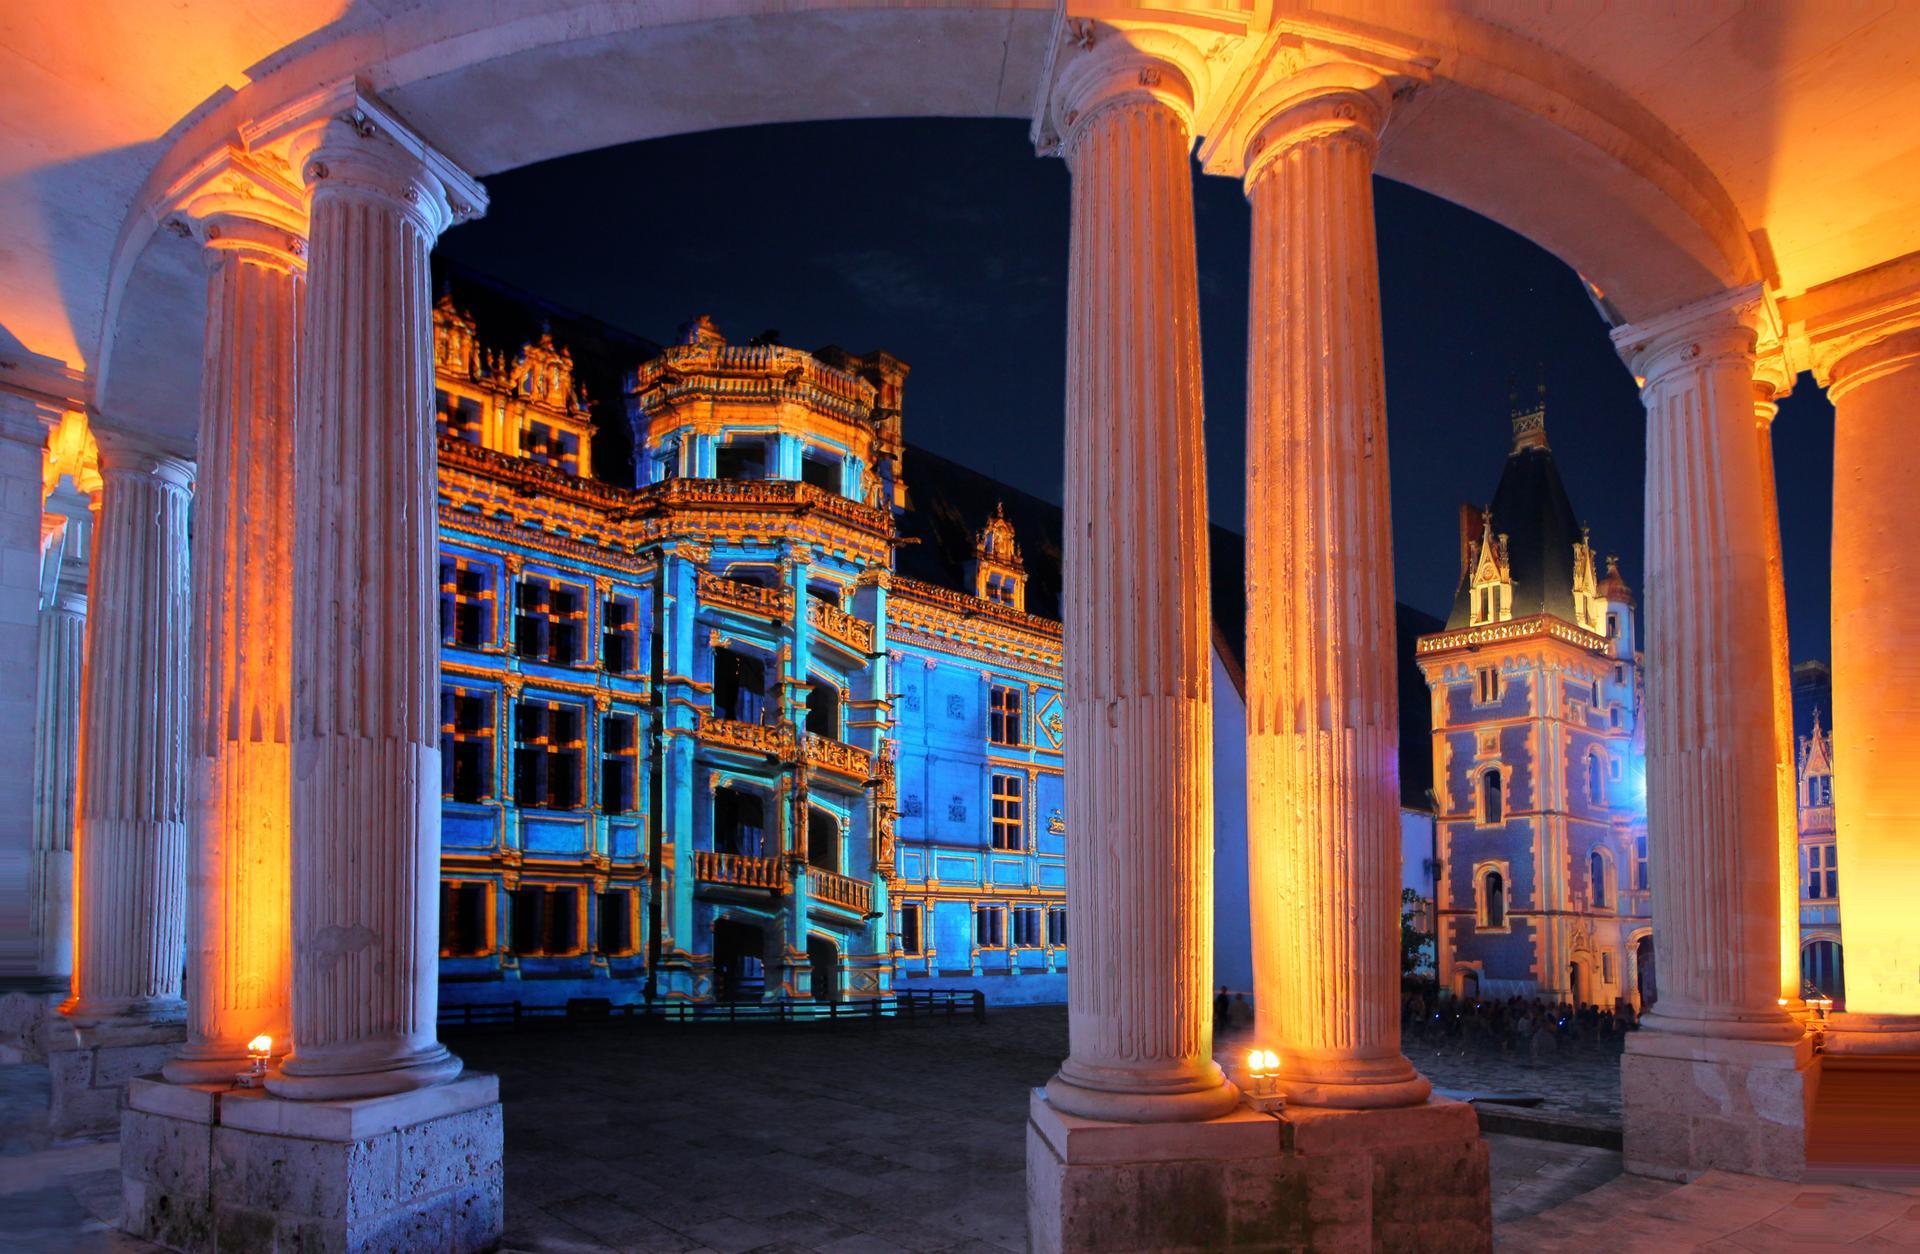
{"points": [[206, 1167], [1414, 1177], [1866, 1034], [91, 1063], [24, 1012], [1693, 1104]]}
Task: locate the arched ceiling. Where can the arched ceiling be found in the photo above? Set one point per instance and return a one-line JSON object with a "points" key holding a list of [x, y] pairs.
{"points": [[1663, 154]]}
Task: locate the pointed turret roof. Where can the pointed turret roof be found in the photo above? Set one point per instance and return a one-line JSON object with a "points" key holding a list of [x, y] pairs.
{"points": [[1531, 509]]}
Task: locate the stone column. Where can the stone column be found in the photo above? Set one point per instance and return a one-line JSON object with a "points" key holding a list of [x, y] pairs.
{"points": [[1138, 677], [239, 955], [1770, 383], [125, 1015], [1716, 1076], [56, 748], [366, 736], [130, 873], [1874, 383], [1323, 827]]}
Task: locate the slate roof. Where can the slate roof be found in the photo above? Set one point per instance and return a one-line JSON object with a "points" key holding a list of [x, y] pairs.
{"points": [[1531, 507]]}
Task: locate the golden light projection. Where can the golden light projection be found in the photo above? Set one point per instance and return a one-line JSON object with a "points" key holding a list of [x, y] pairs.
{"points": [[71, 453]]}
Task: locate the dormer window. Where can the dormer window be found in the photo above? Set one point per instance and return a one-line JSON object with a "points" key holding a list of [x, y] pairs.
{"points": [[1491, 592], [999, 573]]}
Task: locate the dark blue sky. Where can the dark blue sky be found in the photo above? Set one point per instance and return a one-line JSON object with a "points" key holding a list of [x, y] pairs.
{"points": [[945, 242]]}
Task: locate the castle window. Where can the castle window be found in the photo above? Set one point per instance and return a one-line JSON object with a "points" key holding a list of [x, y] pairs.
{"points": [[1640, 880], [458, 416], [739, 685], [466, 744], [1823, 873], [464, 930], [1819, 790], [823, 840], [1057, 925], [619, 758], [616, 923], [823, 710], [1008, 807], [1493, 900], [466, 603], [1606, 966], [1613, 626], [741, 460], [620, 635], [1620, 673], [1488, 683], [989, 927], [1004, 725], [1613, 716], [1599, 877], [1026, 926], [1596, 694], [910, 930], [822, 469], [1000, 588], [826, 594], [1594, 776], [546, 921], [547, 753], [549, 622], [738, 822], [550, 446], [1493, 808]]}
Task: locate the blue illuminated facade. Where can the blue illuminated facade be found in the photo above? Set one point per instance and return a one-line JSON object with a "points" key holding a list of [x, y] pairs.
{"points": [[775, 723]]}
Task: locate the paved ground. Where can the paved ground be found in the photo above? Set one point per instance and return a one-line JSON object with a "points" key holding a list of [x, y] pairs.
{"points": [[905, 1139]]}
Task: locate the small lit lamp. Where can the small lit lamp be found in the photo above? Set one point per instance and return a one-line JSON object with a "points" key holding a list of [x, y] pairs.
{"points": [[259, 1049], [1263, 1080]]}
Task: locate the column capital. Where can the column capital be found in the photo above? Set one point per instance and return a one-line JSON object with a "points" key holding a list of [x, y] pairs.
{"points": [[341, 139], [1093, 64], [1861, 342], [1727, 324], [238, 202], [144, 455]]}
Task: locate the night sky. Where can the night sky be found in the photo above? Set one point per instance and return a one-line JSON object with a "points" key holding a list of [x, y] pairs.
{"points": [[945, 242]]}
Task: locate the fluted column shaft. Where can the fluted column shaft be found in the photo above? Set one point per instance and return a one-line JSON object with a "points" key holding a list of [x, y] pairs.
{"points": [[239, 950], [1138, 680], [56, 769], [1780, 673], [366, 751], [1875, 390], [130, 843], [1323, 832], [1710, 715]]}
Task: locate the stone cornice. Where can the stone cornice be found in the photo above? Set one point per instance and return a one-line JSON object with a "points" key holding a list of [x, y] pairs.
{"points": [[1092, 63], [1736, 321], [1856, 328], [240, 200]]}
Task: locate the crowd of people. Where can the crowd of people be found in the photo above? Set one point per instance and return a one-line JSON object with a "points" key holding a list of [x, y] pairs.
{"points": [[1514, 1026]]}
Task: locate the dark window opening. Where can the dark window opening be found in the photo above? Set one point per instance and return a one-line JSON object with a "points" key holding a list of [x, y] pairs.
{"points": [[466, 745], [989, 924], [1026, 925], [546, 921], [910, 929], [1004, 726], [821, 470], [547, 753], [1594, 793], [823, 710], [739, 823], [1597, 879], [616, 922], [550, 446], [463, 919], [1492, 791], [739, 686], [741, 460], [466, 603], [549, 622], [619, 635], [458, 416], [1496, 892], [1057, 925], [823, 840], [619, 760]]}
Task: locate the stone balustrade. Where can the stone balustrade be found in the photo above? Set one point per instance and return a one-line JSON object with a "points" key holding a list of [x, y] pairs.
{"points": [[739, 869], [774, 740], [748, 598], [840, 625], [832, 754], [840, 890]]}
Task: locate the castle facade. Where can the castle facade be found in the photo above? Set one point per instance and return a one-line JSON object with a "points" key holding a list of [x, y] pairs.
{"points": [[776, 722]]}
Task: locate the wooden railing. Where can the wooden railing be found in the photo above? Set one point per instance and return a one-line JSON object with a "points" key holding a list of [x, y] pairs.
{"points": [[842, 626], [774, 740], [841, 890], [742, 870], [823, 751], [748, 598]]}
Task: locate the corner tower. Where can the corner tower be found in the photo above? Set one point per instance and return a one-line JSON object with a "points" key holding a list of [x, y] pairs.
{"points": [[1538, 753]]}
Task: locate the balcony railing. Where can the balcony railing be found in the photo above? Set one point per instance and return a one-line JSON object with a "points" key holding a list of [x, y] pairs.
{"points": [[748, 598], [739, 869], [839, 624], [823, 751], [774, 740], [841, 890]]}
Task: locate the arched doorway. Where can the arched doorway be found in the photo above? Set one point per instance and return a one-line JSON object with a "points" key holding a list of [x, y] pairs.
{"points": [[1643, 973], [823, 839], [1578, 975], [1823, 969], [739, 961], [824, 957], [823, 710]]}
